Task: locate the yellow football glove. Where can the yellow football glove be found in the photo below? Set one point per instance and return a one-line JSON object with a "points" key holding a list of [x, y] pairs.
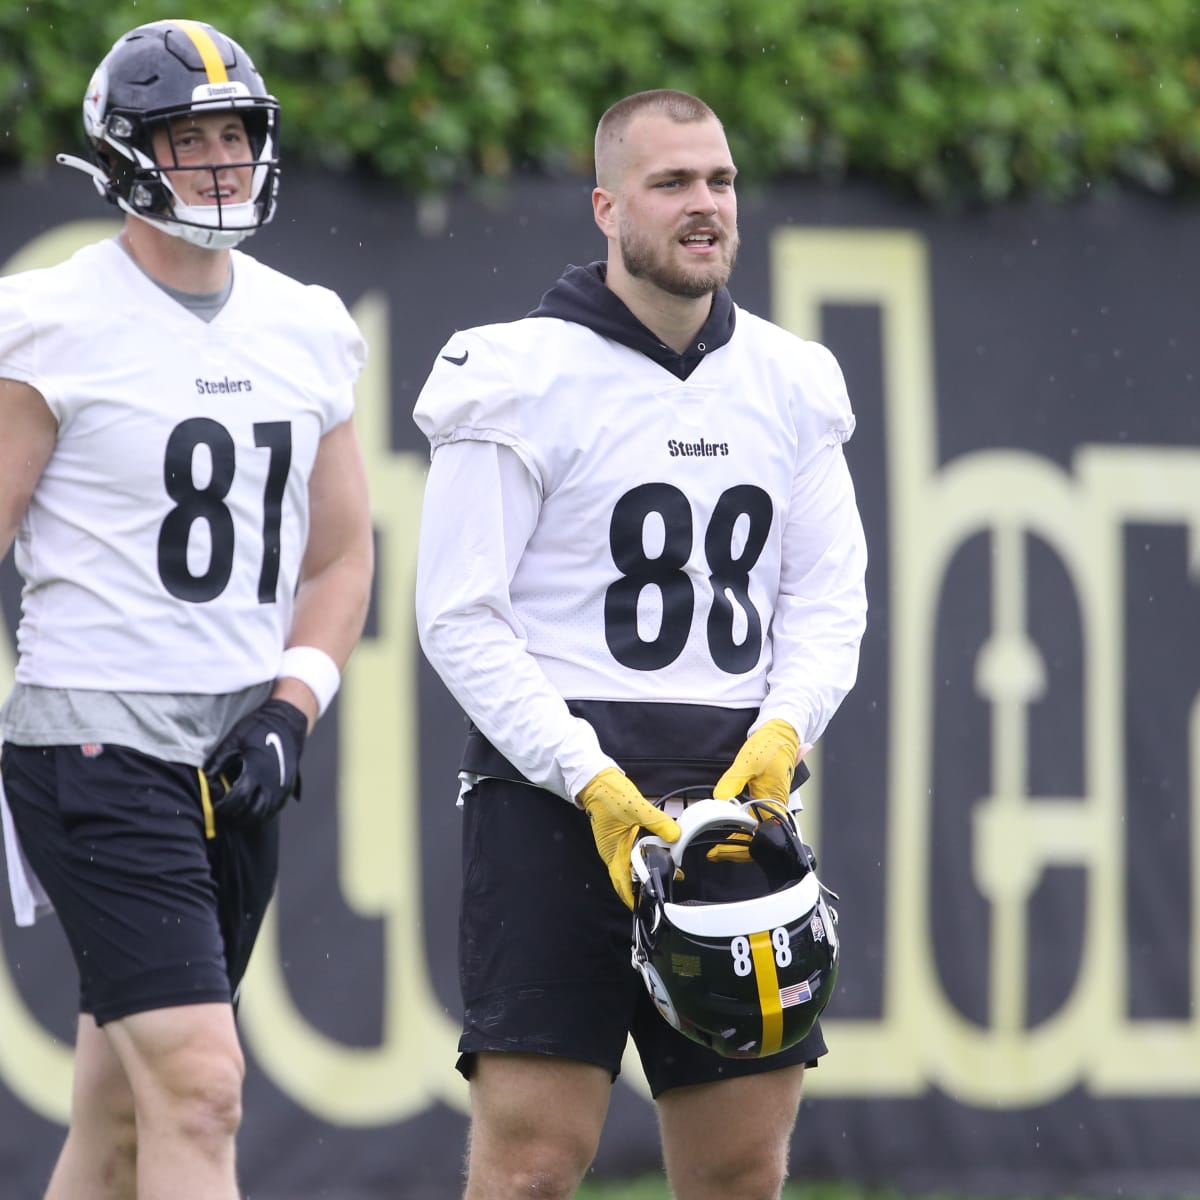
{"points": [[764, 766], [618, 813]]}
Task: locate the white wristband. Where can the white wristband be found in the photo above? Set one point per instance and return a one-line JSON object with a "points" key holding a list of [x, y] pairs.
{"points": [[315, 669]]}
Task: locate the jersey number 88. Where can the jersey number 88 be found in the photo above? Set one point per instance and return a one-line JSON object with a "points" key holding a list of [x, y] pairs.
{"points": [[729, 576]]}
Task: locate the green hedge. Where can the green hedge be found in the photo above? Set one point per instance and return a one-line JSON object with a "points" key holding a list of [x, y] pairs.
{"points": [[955, 100]]}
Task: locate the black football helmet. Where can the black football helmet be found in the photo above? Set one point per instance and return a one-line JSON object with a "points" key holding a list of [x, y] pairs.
{"points": [[159, 72], [745, 977]]}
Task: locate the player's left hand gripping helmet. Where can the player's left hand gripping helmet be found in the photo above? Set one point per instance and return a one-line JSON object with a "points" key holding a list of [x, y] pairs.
{"points": [[749, 977], [154, 74]]}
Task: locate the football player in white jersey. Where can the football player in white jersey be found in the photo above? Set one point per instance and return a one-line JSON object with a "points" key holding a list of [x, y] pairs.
{"points": [[641, 567], [182, 480]]}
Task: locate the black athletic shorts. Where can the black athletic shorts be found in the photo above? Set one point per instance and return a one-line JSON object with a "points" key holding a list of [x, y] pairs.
{"points": [[160, 903], [545, 949]]}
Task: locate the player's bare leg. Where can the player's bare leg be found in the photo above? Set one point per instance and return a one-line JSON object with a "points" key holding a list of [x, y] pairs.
{"points": [[535, 1125], [185, 1067], [729, 1140], [99, 1158]]}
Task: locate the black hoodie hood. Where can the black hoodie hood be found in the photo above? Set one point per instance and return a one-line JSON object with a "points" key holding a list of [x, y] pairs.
{"points": [[580, 295]]}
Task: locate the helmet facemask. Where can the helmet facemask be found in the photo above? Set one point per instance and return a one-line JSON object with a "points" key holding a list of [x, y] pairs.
{"points": [[143, 186]]}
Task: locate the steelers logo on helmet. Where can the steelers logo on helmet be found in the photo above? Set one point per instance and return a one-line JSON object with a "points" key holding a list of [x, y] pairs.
{"points": [[741, 956], [660, 995], [158, 74], [94, 101]]}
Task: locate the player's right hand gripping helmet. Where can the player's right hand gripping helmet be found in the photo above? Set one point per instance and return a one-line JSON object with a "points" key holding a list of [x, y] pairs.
{"points": [[748, 977], [159, 72]]}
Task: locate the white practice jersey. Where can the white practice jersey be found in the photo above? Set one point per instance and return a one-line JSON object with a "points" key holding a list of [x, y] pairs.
{"points": [[679, 535], [162, 546]]}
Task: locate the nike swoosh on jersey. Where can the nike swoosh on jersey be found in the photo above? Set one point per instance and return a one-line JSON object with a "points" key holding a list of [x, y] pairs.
{"points": [[458, 362], [273, 741]]}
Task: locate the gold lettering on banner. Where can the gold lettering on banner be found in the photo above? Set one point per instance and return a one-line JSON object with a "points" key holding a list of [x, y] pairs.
{"points": [[380, 865], [921, 1039]]}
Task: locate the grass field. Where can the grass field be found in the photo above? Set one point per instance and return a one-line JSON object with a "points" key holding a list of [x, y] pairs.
{"points": [[654, 1187]]}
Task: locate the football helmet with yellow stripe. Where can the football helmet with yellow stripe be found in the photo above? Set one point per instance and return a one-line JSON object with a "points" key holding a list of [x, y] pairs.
{"points": [[740, 956], [152, 77]]}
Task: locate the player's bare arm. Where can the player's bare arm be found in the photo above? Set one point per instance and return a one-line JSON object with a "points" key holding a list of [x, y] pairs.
{"points": [[335, 578], [29, 433]]}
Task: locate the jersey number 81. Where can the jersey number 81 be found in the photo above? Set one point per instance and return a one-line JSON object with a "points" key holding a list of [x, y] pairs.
{"points": [[207, 504]]}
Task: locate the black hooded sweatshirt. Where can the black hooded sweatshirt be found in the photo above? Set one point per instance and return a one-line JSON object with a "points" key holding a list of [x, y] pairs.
{"points": [[581, 295]]}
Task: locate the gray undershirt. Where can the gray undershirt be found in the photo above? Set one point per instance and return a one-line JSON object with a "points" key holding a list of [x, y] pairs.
{"points": [[175, 727], [204, 305]]}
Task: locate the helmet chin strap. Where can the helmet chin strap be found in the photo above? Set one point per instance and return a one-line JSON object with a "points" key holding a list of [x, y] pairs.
{"points": [[207, 238], [199, 233]]}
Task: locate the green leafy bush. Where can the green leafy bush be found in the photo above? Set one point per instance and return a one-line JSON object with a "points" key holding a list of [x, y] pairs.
{"points": [[953, 100]]}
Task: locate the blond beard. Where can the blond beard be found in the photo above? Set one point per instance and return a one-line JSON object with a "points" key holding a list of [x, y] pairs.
{"points": [[643, 260]]}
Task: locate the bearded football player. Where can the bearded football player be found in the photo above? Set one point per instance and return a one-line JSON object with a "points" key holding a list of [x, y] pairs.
{"points": [[641, 569]]}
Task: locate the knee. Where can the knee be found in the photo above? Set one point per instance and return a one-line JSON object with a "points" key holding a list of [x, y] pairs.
{"points": [[214, 1098], [547, 1164], [764, 1178], [199, 1091], [556, 1166], [753, 1177], [550, 1175]]}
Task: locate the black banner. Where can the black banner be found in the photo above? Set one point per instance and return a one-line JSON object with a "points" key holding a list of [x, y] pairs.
{"points": [[1006, 802]]}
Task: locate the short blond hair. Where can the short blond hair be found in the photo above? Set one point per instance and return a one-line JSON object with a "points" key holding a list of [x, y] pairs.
{"points": [[680, 107]]}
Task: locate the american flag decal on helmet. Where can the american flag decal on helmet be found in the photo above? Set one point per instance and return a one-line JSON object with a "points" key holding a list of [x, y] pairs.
{"points": [[796, 993]]}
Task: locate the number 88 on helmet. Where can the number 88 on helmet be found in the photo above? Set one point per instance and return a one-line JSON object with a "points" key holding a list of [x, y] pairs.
{"points": [[740, 956]]}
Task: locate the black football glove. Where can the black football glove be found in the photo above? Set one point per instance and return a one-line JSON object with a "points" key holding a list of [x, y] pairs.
{"points": [[256, 768]]}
